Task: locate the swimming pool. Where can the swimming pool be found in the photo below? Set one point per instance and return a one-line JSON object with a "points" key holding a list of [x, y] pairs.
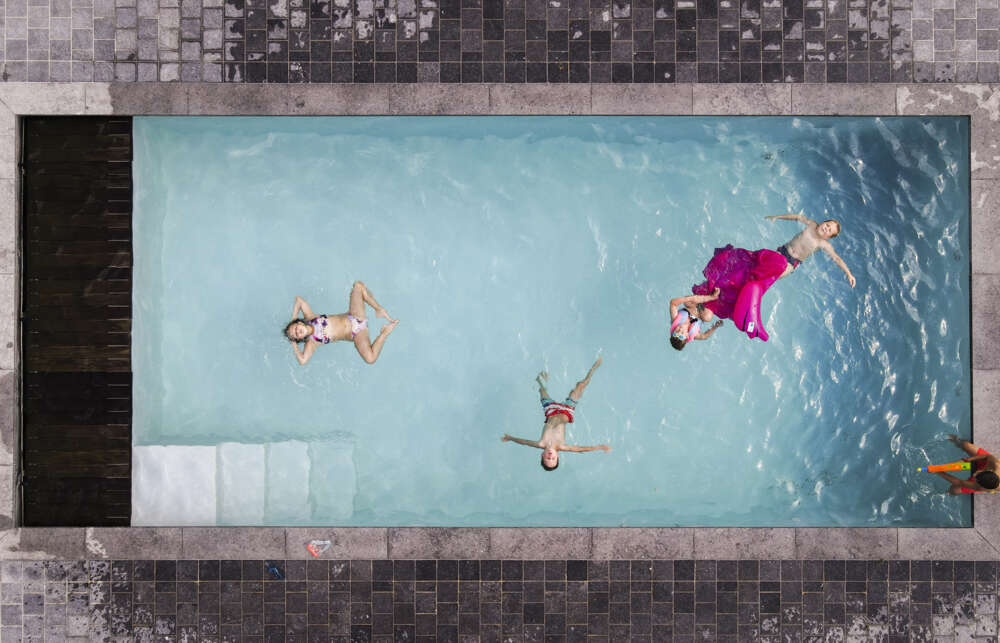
{"points": [[509, 245]]}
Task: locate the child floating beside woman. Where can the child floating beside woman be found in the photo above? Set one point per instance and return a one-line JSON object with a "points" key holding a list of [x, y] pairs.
{"points": [[738, 278]]}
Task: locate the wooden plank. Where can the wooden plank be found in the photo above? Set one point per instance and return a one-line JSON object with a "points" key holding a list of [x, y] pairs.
{"points": [[67, 300], [80, 311], [107, 463], [92, 215], [107, 258], [78, 286], [76, 444], [54, 364], [78, 247], [60, 191], [69, 385], [74, 402], [56, 233], [84, 416], [78, 339], [72, 432], [77, 465], [81, 272], [96, 326]]}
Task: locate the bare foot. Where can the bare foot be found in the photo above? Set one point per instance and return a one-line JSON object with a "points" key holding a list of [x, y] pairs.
{"points": [[382, 312], [542, 376], [388, 328], [598, 361], [954, 439]]}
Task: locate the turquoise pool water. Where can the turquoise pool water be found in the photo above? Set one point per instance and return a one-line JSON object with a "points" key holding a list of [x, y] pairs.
{"points": [[511, 245]]}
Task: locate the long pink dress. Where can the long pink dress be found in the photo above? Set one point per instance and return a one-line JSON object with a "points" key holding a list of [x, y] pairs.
{"points": [[731, 270]]}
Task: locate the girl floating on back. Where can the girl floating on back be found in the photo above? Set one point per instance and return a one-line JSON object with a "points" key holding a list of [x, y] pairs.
{"points": [[686, 317], [313, 329]]}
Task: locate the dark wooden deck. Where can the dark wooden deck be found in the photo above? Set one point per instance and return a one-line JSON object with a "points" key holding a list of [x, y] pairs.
{"points": [[76, 309]]}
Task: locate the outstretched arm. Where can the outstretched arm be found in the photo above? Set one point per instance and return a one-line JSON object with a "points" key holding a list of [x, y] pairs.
{"points": [[300, 304], [955, 482], [577, 391], [575, 449], [790, 217], [304, 355], [677, 302], [828, 249], [708, 333], [527, 443]]}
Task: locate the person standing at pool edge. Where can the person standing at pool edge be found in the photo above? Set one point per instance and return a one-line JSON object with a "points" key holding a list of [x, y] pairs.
{"points": [[314, 329], [557, 414], [984, 469], [815, 237]]}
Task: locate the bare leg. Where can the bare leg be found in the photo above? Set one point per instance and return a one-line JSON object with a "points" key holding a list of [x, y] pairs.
{"points": [[369, 299], [370, 351], [542, 393], [577, 391], [788, 270], [965, 445], [356, 305]]}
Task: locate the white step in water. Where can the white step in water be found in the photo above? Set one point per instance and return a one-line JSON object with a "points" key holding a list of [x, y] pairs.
{"points": [[288, 483], [173, 486], [332, 480], [242, 480], [283, 483]]}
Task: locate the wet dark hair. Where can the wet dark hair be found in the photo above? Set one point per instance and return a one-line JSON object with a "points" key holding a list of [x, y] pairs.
{"points": [[547, 468], [677, 342], [838, 226], [987, 479], [289, 327]]}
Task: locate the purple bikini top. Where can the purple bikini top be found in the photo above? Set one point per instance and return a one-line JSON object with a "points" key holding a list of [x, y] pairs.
{"points": [[319, 325]]}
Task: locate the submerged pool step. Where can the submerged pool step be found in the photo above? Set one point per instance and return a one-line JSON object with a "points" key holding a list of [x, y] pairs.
{"points": [[280, 483], [242, 483], [173, 486], [288, 468]]}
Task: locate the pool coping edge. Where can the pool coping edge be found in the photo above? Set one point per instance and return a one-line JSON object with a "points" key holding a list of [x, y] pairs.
{"points": [[980, 102]]}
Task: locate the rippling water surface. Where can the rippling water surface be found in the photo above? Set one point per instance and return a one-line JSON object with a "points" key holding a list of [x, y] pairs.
{"points": [[511, 245]]}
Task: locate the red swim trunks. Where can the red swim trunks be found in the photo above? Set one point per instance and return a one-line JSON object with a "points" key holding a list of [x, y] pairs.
{"points": [[978, 466], [551, 407]]}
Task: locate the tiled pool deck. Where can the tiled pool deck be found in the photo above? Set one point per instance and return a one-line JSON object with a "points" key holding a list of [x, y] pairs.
{"points": [[488, 584], [513, 41]]}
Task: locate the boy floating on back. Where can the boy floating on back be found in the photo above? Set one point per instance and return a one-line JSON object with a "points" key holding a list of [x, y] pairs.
{"points": [[814, 237], [557, 414]]}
